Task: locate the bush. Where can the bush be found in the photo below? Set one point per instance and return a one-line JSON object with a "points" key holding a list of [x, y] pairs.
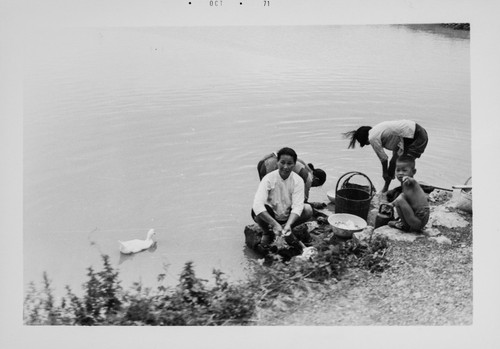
{"points": [[192, 302], [285, 284], [104, 302]]}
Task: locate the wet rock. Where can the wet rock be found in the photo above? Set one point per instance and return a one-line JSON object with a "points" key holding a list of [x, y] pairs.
{"points": [[302, 231], [386, 231], [395, 234], [253, 235], [442, 216], [372, 215]]}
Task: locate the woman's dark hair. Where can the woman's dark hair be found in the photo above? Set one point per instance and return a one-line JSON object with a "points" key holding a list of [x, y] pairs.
{"points": [[287, 151], [360, 135], [319, 176]]}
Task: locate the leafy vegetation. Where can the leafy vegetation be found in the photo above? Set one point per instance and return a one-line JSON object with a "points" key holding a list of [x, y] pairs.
{"points": [[192, 302]]}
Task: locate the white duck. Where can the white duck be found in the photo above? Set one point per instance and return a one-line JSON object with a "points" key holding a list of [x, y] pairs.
{"points": [[136, 245]]}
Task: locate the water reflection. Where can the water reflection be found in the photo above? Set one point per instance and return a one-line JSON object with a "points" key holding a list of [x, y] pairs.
{"points": [[122, 138], [125, 257]]}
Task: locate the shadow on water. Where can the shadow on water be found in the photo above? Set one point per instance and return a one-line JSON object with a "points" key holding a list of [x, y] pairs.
{"points": [[153, 247], [126, 257], [439, 29]]}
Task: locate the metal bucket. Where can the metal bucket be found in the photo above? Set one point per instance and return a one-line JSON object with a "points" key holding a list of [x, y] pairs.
{"points": [[353, 198]]}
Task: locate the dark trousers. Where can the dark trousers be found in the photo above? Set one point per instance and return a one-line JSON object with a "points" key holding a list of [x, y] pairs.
{"points": [[415, 146]]}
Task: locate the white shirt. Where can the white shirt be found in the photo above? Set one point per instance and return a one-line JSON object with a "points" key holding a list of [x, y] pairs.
{"points": [[389, 135], [271, 164], [283, 196]]}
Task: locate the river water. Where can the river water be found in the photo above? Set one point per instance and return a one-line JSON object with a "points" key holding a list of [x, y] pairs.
{"points": [[127, 129]]}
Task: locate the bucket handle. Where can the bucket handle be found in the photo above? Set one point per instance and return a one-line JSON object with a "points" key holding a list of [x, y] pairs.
{"points": [[352, 174], [468, 186]]}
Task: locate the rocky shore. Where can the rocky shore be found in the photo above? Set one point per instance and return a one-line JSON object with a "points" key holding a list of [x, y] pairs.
{"points": [[428, 282]]}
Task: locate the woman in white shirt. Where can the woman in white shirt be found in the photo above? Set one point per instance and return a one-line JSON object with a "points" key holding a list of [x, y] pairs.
{"points": [[279, 201], [313, 177], [401, 136]]}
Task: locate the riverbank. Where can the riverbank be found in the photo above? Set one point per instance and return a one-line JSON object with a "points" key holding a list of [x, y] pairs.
{"points": [[379, 277], [428, 282]]}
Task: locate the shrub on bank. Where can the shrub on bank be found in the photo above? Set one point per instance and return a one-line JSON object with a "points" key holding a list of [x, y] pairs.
{"points": [[104, 302], [192, 302]]}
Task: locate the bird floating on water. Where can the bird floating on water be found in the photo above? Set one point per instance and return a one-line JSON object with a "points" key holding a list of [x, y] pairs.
{"points": [[136, 245]]}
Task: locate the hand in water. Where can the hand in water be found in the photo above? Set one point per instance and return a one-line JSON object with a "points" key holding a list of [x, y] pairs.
{"points": [[287, 230], [278, 230]]}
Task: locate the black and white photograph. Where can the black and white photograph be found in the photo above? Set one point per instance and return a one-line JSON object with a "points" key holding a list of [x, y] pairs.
{"points": [[194, 167]]}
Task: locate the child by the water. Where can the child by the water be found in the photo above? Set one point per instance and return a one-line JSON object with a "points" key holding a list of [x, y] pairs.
{"points": [[402, 137], [412, 204]]}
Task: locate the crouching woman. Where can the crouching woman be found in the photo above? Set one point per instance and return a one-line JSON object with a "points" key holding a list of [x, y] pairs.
{"points": [[279, 201]]}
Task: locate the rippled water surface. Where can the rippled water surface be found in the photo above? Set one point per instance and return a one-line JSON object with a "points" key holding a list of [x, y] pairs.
{"points": [[129, 129]]}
